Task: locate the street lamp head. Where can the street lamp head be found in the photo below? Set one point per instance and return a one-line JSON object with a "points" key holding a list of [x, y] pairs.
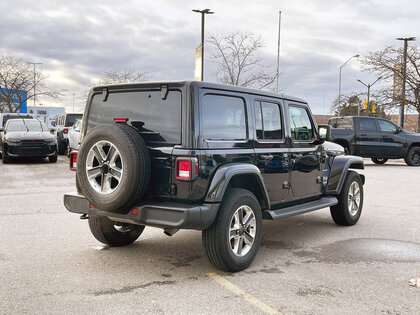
{"points": [[356, 56], [205, 11], [407, 38]]}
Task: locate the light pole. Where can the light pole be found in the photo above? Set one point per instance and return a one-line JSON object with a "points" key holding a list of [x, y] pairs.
{"points": [[73, 103], [278, 55], [368, 87], [203, 12], [339, 79], [404, 73], [34, 63]]}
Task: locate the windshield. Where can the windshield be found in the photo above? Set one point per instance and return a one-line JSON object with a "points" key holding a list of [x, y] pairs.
{"points": [[7, 117], [26, 125]]}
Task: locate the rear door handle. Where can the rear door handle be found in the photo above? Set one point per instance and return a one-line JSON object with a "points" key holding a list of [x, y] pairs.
{"points": [[266, 157]]}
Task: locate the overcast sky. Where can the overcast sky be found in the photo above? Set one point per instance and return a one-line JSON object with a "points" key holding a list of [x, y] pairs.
{"points": [[77, 41]]}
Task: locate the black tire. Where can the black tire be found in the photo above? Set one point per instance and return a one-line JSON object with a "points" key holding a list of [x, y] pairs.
{"points": [[61, 147], [413, 157], [217, 243], [105, 231], [379, 160], [340, 212], [52, 159], [135, 159], [6, 159]]}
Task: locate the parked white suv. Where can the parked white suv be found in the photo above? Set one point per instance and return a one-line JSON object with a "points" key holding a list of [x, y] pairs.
{"points": [[62, 125]]}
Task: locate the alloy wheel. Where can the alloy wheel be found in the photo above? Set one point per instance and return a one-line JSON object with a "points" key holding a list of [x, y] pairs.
{"points": [[104, 167], [242, 231], [354, 199]]}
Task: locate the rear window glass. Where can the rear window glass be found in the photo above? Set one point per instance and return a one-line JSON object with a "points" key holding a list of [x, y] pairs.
{"points": [[223, 117], [267, 121], [72, 118], [343, 123], [157, 120], [367, 124]]}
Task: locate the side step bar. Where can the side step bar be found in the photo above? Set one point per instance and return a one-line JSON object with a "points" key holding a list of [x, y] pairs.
{"points": [[324, 202]]}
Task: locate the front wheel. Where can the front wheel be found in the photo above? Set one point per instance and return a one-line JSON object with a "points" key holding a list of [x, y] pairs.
{"points": [[232, 241], [6, 158], [413, 157], [114, 233], [350, 201], [379, 160], [52, 159]]}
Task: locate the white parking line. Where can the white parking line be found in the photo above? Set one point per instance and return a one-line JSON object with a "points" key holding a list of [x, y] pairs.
{"points": [[238, 291]]}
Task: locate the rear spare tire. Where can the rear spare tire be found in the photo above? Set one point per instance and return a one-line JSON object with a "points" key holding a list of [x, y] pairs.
{"points": [[113, 167]]}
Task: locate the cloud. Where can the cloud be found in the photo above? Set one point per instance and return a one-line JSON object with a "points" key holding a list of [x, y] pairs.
{"points": [[78, 40]]}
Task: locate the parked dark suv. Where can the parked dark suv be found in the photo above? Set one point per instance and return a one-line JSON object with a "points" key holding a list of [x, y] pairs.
{"points": [[210, 157]]}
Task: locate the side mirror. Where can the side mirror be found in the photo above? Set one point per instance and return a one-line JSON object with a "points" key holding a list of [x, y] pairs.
{"points": [[324, 132], [53, 123], [52, 130], [399, 129], [1, 129]]}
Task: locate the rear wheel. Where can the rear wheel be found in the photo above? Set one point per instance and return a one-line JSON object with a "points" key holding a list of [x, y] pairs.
{"points": [[61, 147], [114, 233], [379, 160], [413, 157], [232, 241], [350, 201]]}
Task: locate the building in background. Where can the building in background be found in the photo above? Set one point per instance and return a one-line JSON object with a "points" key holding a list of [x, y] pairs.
{"points": [[46, 114], [17, 97]]}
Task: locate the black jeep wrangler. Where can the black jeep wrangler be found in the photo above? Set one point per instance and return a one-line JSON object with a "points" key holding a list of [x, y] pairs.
{"points": [[209, 157]]}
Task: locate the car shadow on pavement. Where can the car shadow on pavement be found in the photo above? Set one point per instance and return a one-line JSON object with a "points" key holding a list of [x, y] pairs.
{"points": [[29, 160], [182, 255]]}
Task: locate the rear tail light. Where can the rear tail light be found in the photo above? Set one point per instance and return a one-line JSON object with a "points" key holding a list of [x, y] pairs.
{"points": [[65, 131], [73, 160], [186, 168], [120, 120]]}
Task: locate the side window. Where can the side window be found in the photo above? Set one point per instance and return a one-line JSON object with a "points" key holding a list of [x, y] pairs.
{"points": [[223, 118], [268, 121], [387, 126], [300, 124], [367, 124]]}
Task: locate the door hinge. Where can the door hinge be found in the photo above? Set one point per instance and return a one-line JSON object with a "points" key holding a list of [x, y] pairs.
{"points": [[319, 179], [286, 185]]}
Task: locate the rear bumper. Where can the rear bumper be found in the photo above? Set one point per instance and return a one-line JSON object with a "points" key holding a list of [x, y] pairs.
{"points": [[166, 215]]}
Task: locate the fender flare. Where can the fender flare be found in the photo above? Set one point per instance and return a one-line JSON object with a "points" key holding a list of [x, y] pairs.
{"points": [[224, 175], [338, 172]]}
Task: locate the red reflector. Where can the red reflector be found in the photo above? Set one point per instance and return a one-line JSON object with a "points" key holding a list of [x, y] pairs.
{"points": [[135, 211], [91, 206], [183, 169], [120, 120], [65, 131], [73, 160]]}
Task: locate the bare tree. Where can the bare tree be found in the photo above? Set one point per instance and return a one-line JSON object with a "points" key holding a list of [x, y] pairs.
{"points": [[237, 60], [17, 82], [350, 102], [121, 76], [385, 63]]}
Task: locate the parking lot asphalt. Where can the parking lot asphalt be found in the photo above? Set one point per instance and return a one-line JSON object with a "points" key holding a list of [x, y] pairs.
{"points": [[50, 262]]}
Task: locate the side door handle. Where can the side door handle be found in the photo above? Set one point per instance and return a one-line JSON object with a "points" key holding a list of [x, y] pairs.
{"points": [[266, 156]]}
